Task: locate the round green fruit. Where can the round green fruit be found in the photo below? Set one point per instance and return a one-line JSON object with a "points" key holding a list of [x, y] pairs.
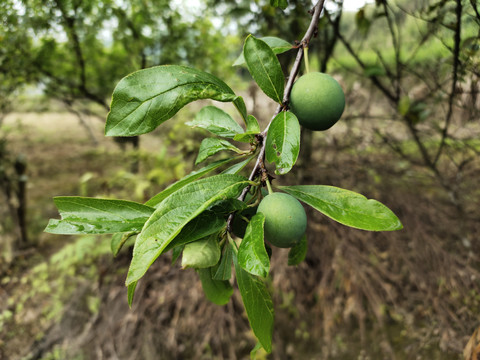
{"points": [[285, 219], [317, 100]]}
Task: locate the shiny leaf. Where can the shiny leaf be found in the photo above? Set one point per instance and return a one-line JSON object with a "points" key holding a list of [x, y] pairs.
{"points": [[211, 146], [258, 304], [119, 240], [217, 291], [205, 224], [278, 46], [224, 270], [264, 67], [235, 169], [202, 253], [145, 99], [216, 121], [252, 255], [176, 211], [194, 175], [346, 207], [283, 142], [82, 215]]}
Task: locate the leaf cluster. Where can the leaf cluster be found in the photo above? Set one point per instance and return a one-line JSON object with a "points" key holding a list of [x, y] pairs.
{"points": [[192, 217]]}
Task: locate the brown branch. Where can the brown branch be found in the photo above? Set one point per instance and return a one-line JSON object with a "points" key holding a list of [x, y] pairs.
{"points": [[136, 34], [330, 45], [397, 48], [259, 164], [475, 8], [456, 63], [71, 31], [394, 99]]}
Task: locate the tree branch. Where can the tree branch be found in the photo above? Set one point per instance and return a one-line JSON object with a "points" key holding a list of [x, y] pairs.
{"points": [[71, 31], [394, 99], [456, 63], [259, 164]]}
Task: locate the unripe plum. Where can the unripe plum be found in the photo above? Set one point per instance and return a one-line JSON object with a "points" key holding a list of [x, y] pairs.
{"points": [[285, 219], [317, 100]]}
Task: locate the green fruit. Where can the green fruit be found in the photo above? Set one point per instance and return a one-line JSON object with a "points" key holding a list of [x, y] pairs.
{"points": [[285, 219], [317, 100]]}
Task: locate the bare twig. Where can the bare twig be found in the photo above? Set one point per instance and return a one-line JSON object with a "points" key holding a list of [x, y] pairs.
{"points": [[396, 47], [69, 22], [456, 63], [394, 99]]}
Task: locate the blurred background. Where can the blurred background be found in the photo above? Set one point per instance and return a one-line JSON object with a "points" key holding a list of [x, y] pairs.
{"points": [[409, 138]]}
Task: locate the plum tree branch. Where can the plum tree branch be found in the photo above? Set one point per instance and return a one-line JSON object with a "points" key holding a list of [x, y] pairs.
{"points": [[309, 34]]}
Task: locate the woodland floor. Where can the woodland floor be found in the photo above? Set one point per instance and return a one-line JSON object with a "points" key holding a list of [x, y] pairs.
{"points": [[412, 294]]}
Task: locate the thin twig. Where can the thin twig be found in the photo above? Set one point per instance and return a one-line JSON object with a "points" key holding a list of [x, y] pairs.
{"points": [[259, 164], [456, 63], [394, 99]]}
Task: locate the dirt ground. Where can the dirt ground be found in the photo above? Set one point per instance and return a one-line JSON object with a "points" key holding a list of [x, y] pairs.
{"points": [[412, 294]]}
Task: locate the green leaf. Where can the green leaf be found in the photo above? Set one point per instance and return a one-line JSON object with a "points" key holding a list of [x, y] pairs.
{"points": [[116, 243], [224, 270], [205, 224], [145, 99], [253, 353], [298, 252], [119, 239], [248, 137], [194, 175], [235, 169], [252, 255], [216, 121], [264, 67], [252, 125], [202, 253], [217, 291], [258, 304], [228, 206], [278, 46], [176, 252], [82, 215], [282, 4], [253, 128], [130, 292], [211, 146], [346, 207], [241, 107], [283, 142], [177, 210]]}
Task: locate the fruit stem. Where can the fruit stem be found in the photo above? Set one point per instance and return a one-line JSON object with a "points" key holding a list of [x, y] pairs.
{"points": [[269, 186], [305, 55]]}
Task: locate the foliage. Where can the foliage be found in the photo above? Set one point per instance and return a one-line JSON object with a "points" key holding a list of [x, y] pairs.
{"points": [[179, 217], [79, 50]]}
